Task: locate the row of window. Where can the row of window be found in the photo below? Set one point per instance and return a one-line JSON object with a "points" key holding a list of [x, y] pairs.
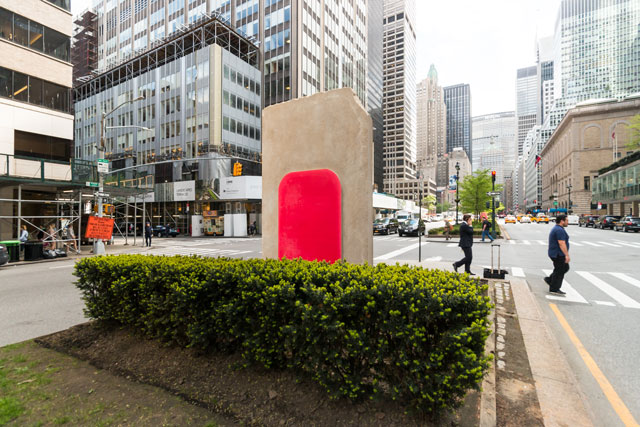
{"points": [[235, 101], [236, 77], [242, 129], [28, 33], [65, 4], [33, 90]]}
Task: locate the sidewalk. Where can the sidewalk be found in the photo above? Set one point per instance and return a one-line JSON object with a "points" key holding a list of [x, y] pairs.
{"points": [[86, 251]]}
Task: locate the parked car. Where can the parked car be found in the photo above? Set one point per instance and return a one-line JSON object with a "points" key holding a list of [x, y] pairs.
{"points": [[165, 231], [607, 221], [385, 226], [573, 219], [411, 227], [525, 219], [628, 223], [4, 255], [510, 219], [588, 221]]}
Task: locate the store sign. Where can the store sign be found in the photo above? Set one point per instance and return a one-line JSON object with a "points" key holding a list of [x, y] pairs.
{"points": [[99, 228], [184, 191], [103, 166], [241, 188]]}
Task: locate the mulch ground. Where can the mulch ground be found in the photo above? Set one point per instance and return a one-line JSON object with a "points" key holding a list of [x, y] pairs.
{"points": [[251, 395]]}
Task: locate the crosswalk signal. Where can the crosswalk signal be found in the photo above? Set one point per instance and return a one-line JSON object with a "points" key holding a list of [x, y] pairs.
{"points": [[237, 169], [493, 176]]}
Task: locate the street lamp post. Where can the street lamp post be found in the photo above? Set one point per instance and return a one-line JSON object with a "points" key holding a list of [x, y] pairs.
{"points": [[569, 207], [98, 245], [419, 176], [457, 191]]}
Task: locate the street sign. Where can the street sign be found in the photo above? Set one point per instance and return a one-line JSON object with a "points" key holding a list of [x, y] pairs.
{"points": [[102, 194], [555, 203], [103, 166], [92, 184], [493, 193]]}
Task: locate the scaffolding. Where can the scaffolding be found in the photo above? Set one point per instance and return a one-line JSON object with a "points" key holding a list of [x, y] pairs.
{"points": [[84, 50]]}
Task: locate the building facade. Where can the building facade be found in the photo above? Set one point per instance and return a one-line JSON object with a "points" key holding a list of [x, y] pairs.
{"points": [[588, 138], [307, 46], [35, 89], [375, 34], [456, 157], [526, 102], [84, 48], [399, 93], [457, 98], [494, 144], [431, 128], [617, 191]]}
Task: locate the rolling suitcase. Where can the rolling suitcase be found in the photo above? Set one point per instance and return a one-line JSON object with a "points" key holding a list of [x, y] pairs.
{"points": [[493, 273]]}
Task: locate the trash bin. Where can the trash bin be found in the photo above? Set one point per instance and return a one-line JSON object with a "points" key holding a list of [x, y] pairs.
{"points": [[13, 248], [32, 250]]}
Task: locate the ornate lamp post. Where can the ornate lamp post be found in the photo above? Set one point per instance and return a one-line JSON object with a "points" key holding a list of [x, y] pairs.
{"points": [[457, 191], [569, 208]]}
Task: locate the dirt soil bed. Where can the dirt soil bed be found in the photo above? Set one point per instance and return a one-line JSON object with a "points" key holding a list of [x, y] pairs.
{"points": [[516, 398], [251, 395]]}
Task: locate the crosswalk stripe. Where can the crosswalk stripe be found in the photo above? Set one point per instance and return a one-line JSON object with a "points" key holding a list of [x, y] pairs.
{"points": [[591, 243], [627, 279], [526, 242], [609, 303], [631, 245], [609, 244], [542, 242], [517, 272], [452, 245], [398, 252], [571, 296], [622, 298], [575, 244], [513, 242]]}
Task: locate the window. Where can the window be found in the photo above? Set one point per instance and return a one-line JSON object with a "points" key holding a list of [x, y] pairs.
{"points": [[21, 30], [56, 97], [6, 83], [56, 44], [20, 87], [36, 36], [65, 4], [6, 24], [35, 90], [587, 183]]}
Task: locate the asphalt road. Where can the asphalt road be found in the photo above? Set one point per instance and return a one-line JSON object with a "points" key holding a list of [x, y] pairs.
{"points": [[602, 305]]}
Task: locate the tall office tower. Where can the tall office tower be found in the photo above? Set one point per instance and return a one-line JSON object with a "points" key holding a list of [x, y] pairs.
{"points": [[494, 148], [399, 101], [526, 102], [307, 46], [375, 32], [84, 49], [35, 94], [431, 128], [545, 86], [458, 101]]}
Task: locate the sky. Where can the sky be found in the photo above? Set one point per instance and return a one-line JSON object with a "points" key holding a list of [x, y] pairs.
{"points": [[481, 43]]}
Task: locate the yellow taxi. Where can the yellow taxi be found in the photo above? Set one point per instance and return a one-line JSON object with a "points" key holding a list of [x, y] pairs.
{"points": [[519, 216], [541, 218], [510, 219]]}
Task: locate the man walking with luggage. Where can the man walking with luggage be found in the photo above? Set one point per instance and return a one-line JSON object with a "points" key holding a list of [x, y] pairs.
{"points": [[466, 241], [559, 254]]}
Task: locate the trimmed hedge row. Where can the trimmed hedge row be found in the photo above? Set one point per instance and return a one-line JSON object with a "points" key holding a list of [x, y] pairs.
{"points": [[414, 335]]}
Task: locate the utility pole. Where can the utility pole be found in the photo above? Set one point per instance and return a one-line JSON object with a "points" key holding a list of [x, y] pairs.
{"points": [[419, 215], [493, 204], [457, 189], [569, 207]]}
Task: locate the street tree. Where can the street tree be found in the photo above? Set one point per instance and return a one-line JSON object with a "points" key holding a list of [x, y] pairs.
{"points": [[443, 207], [474, 189], [634, 133], [429, 201]]}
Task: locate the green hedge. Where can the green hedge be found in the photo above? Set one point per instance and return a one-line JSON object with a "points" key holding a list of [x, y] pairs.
{"points": [[413, 335]]}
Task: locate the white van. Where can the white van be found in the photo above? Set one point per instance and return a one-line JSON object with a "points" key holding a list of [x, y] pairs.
{"points": [[573, 219]]}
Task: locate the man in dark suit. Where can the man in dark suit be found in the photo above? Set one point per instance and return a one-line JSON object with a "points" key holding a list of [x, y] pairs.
{"points": [[466, 241]]}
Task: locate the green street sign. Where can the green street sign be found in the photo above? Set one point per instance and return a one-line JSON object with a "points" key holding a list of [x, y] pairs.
{"points": [[555, 203], [92, 184]]}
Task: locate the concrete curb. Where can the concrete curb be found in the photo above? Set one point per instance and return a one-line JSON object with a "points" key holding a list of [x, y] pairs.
{"points": [[488, 407], [561, 401], [503, 231]]}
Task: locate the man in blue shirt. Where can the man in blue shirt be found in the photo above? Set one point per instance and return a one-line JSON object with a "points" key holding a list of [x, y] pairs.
{"points": [[559, 254]]}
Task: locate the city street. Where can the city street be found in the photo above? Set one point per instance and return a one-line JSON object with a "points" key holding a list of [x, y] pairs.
{"points": [[602, 305]]}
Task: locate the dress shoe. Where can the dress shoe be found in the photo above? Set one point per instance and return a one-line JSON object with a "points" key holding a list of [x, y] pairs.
{"points": [[455, 267]]}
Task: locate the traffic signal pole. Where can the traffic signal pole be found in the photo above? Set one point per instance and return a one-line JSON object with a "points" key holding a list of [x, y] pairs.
{"points": [[493, 204]]}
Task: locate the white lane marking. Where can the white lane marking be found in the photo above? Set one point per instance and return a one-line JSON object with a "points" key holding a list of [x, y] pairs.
{"points": [[526, 242], [398, 252], [632, 245], [435, 258], [512, 242], [62, 266], [609, 303], [609, 244], [542, 242], [571, 296], [517, 272], [623, 299], [590, 243], [575, 244], [627, 279], [452, 245]]}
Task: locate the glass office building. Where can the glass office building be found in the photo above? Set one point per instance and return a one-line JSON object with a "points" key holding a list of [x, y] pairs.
{"points": [[494, 147], [526, 102], [457, 98]]}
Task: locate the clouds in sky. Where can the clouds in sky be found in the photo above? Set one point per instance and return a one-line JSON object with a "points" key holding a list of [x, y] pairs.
{"points": [[482, 43]]}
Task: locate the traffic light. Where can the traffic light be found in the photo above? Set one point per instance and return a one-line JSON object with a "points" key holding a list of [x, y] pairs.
{"points": [[488, 205], [493, 176], [237, 169]]}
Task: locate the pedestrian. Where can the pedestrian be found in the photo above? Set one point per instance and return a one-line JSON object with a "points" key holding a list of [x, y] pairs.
{"points": [[466, 242], [148, 232], [559, 254], [53, 236], [447, 229], [486, 229], [71, 235], [24, 234]]}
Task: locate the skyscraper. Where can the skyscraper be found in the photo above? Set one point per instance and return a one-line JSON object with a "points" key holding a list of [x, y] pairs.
{"points": [[375, 33], [306, 47], [458, 101], [431, 128], [545, 82], [526, 102], [399, 102], [494, 148]]}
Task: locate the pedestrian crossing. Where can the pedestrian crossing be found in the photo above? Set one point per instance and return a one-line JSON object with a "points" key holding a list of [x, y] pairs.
{"points": [[579, 243], [205, 252], [612, 289]]}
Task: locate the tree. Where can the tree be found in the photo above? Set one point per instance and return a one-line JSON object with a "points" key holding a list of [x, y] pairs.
{"points": [[634, 133], [429, 201], [473, 191], [443, 207]]}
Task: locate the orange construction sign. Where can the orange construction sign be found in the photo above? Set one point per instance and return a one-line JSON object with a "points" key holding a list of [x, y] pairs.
{"points": [[99, 228]]}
